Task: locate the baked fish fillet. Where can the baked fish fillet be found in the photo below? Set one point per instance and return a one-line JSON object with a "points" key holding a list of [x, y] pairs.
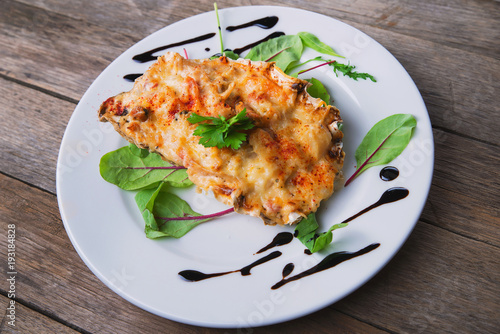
{"points": [[291, 157]]}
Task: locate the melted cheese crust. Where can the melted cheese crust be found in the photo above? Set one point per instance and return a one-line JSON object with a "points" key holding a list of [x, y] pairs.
{"points": [[292, 155]]}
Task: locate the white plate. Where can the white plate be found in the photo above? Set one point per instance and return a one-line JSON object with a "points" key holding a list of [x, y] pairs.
{"points": [[106, 228]]}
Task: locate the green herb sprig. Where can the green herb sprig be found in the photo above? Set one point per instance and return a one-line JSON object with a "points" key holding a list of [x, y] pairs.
{"points": [[221, 132], [348, 71]]}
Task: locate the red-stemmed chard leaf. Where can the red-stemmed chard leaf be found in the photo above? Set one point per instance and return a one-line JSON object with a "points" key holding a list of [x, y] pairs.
{"points": [[277, 53], [131, 168], [320, 65], [167, 215], [384, 142]]}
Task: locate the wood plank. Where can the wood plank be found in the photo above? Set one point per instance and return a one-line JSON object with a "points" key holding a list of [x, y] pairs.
{"points": [[32, 127], [29, 321], [467, 25], [71, 52], [55, 52], [438, 282], [59, 283], [464, 193]]}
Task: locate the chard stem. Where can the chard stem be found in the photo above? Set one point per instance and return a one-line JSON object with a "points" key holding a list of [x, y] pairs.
{"points": [[169, 167], [312, 68], [213, 215], [268, 59]]}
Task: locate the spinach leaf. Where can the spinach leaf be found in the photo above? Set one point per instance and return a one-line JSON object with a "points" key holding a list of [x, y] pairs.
{"points": [[167, 215], [306, 232], [131, 168], [325, 238], [158, 202], [139, 152], [283, 50], [384, 142], [314, 43], [306, 229], [316, 89], [296, 64], [229, 54]]}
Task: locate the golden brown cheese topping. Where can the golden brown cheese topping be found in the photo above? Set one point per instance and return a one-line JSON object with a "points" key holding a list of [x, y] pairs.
{"points": [[292, 155]]}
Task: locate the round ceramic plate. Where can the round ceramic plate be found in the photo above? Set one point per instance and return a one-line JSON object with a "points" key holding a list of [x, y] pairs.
{"points": [[107, 230]]}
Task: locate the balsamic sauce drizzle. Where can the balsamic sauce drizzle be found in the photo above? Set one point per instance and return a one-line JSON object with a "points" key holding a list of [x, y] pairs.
{"points": [[195, 276], [287, 270], [328, 262], [389, 173], [265, 23], [280, 239], [148, 55], [131, 77], [389, 196], [251, 45]]}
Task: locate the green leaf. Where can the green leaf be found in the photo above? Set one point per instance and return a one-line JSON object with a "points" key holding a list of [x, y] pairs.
{"points": [[139, 152], [306, 229], [159, 202], [284, 50], [348, 70], [316, 89], [231, 55], [314, 43], [325, 238], [296, 64], [228, 53], [306, 232], [221, 132], [131, 168], [384, 142]]}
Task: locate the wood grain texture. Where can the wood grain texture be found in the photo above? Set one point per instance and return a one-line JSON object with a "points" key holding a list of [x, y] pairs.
{"points": [[60, 283], [30, 321], [34, 123], [465, 187]]}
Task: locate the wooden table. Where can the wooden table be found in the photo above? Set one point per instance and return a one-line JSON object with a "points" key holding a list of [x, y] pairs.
{"points": [[446, 278]]}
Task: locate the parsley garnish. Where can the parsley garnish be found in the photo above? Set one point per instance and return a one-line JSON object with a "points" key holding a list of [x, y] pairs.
{"points": [[221, 132]]}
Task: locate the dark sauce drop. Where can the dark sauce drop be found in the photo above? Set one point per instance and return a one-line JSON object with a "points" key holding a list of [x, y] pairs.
{"points": [[280, 239], [328, 262], [131, 77], [251, 45], [288, 269], [307, 252], [207, 49], [389, 173], [245, 271], [148, 55], [195, 276], [264, 23], [389, 196]]}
